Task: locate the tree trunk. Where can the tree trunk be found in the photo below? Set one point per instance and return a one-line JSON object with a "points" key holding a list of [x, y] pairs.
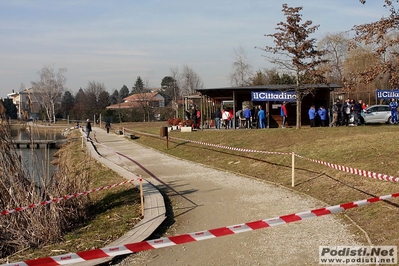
{"points": [[298, 101], [298, 109]]}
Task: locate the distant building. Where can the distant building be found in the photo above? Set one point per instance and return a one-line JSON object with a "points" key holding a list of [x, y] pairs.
{"points": [[149, 99], [27, 103]]}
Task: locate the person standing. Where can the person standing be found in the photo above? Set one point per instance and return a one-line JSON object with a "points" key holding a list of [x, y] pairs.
{"points": [[346, 112], [322, 112], [198, 116], [255, 118], [261, 117], [218, 115], [238, 118], [312, 116], [225, 118], [357, 108], [247, 116], [283, 113], [187, 115], [107, 125], [393, 105], [88, 129], [335, 109], [194, 117]]}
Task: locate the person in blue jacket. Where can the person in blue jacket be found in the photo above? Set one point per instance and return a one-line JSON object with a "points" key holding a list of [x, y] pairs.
{"points": [[322, 112], [312, 116], [393, 105], [247, 114], [261, 117]]}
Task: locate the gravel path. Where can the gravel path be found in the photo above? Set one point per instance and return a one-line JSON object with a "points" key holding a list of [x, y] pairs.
{"points": [[204, 198]]}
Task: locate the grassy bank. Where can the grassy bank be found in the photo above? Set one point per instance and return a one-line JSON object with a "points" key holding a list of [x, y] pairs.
{"points": [[109, 215], [370, 148]]}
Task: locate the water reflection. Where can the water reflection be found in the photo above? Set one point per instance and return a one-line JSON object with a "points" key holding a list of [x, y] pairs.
{"points": [[37, 162]]}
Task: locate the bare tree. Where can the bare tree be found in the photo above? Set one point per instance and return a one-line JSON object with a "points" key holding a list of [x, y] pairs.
{"points": [[297, 52], [242, 68], [190, 81], [381, 36], [50, 88], [337, 51]]}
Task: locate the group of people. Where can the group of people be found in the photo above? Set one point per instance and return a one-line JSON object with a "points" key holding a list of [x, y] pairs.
{"points": [[246, 118], [195, 116], [342, 113], [88, 128]]}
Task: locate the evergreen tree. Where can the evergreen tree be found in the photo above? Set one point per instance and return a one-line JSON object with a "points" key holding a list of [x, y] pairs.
{"points": [[123, 93], [138, 86], [67, 102]]}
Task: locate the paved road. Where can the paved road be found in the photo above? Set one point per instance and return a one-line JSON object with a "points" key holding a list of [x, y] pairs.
{"points": [[204, 198]]}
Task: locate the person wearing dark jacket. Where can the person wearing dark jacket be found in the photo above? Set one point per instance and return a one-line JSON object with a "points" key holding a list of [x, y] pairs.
{"points": [[357, 108], [346, 112], [107, 125], [88, 129], [218, 115]]}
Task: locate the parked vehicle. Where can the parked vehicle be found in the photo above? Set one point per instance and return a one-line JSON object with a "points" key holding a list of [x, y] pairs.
{"points": [[376, 114]]}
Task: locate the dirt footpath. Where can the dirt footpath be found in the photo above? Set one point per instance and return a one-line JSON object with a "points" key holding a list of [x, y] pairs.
{"points": [[204, 198]]}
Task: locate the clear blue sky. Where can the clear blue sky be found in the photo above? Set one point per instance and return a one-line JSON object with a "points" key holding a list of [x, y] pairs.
{"points": [[114, 42]]}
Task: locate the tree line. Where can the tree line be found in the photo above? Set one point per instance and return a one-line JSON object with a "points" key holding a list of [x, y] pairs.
{"points": [[361, 60]]}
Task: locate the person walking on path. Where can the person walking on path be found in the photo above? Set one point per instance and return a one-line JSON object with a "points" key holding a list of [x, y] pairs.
{"points": [[107, 125], [88, 129], [283, 113], [261, 117], [393, 105], [312, 116]]}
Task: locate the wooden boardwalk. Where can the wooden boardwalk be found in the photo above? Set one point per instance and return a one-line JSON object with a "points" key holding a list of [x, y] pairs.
{"points": [[38, 143]]}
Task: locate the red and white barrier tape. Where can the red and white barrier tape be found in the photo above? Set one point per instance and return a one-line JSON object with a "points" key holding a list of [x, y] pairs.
{"points": [[196, 236], [214, 145], [351, 170], [231, 148], [31, 206], [354, 170]]}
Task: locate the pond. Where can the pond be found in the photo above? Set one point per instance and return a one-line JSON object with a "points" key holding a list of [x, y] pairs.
{"points": [[37, 162]]}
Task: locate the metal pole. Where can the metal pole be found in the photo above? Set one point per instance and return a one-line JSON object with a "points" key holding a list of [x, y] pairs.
{"points": [[293, 170]]}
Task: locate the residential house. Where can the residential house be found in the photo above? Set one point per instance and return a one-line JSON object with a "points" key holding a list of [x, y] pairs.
{"points": [[27, 103], [146, 101]]}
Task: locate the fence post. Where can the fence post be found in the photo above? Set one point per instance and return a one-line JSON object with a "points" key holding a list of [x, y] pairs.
{"points": [[293, 170], [141, 196]]}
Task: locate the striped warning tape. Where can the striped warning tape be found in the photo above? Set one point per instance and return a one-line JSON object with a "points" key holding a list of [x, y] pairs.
{"points": [[31, 206], [355, 171], [231, 148], [351, 170], [196, 236]]}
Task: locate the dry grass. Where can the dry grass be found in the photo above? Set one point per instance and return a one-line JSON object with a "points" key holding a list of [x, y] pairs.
{"points": [[370, 148], [87, 222]]}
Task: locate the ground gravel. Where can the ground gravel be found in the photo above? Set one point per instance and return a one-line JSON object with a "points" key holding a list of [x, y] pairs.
{"points": [[205, 198]]}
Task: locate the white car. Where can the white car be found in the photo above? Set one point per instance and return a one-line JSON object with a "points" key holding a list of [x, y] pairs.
{"points": [[376, 114]]}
